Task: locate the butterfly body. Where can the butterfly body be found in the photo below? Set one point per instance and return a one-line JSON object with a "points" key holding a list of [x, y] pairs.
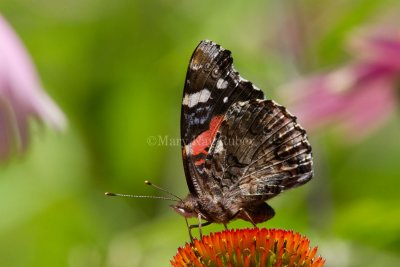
{"points": [[223, 209], [238, 148]]}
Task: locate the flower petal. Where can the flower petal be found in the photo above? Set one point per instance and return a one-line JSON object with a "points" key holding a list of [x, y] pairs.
{"points": [[378, 44], [21, 95], [354, 96]]}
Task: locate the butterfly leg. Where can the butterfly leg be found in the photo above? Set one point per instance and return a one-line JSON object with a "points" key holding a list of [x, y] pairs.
{"points": [[246, 214], [241, 210], [226, 226], [200, 230], [189, 227], [200, 225]]}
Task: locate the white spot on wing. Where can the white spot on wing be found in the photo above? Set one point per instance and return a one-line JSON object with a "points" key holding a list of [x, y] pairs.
{"points": [[222, 84], [192, 100], [188, 147], [204, 95], [225, 99], [219, 147]]}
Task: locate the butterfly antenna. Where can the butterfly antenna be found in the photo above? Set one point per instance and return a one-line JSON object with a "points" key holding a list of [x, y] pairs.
{"points": [[162, 189], [135, 196]]}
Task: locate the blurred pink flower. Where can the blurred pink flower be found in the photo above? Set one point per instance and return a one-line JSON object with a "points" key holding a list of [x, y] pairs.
{"points": [[359, 96], [21, 95]]}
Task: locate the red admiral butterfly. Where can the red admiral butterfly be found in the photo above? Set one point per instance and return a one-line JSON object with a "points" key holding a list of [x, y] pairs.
{"points": [[238, 148]]}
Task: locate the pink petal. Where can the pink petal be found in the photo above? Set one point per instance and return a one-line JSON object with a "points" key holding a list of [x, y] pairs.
{"points": [[318, 106], [369, 108], [380, 45], [356, 97], [23, 81], [21, 94]]}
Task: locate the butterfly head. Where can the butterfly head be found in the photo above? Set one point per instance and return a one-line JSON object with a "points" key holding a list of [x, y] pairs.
{"points": [[187, 207]]}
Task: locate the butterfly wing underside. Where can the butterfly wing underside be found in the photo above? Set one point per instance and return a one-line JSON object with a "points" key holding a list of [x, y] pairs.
{"points": [[261, 149]]}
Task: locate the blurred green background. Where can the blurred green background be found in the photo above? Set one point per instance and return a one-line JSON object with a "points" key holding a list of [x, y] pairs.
{"points": [[117, 69]]}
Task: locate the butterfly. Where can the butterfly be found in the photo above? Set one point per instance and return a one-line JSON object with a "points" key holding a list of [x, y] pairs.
{"points": [[239, 149]]}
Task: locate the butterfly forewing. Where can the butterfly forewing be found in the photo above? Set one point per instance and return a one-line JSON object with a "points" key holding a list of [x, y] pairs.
{"points": [[211, 86]]}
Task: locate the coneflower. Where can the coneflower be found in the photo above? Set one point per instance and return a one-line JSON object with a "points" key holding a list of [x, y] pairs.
{"points": [[249, 247]]}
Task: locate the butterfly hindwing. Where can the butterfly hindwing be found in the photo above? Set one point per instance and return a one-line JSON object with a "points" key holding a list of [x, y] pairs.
{"points": [[212, 85], [261, 149]]}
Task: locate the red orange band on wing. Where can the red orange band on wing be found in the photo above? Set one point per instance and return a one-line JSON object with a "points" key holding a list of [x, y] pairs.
{"points": [[199, 162], [204, 140]]}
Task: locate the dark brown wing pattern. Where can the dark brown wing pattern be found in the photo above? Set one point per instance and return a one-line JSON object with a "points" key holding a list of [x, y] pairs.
{"points": [[212, 85], [261, 149]]}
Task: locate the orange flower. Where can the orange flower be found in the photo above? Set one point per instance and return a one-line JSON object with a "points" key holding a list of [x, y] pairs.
{"points": [[249, 247]]}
